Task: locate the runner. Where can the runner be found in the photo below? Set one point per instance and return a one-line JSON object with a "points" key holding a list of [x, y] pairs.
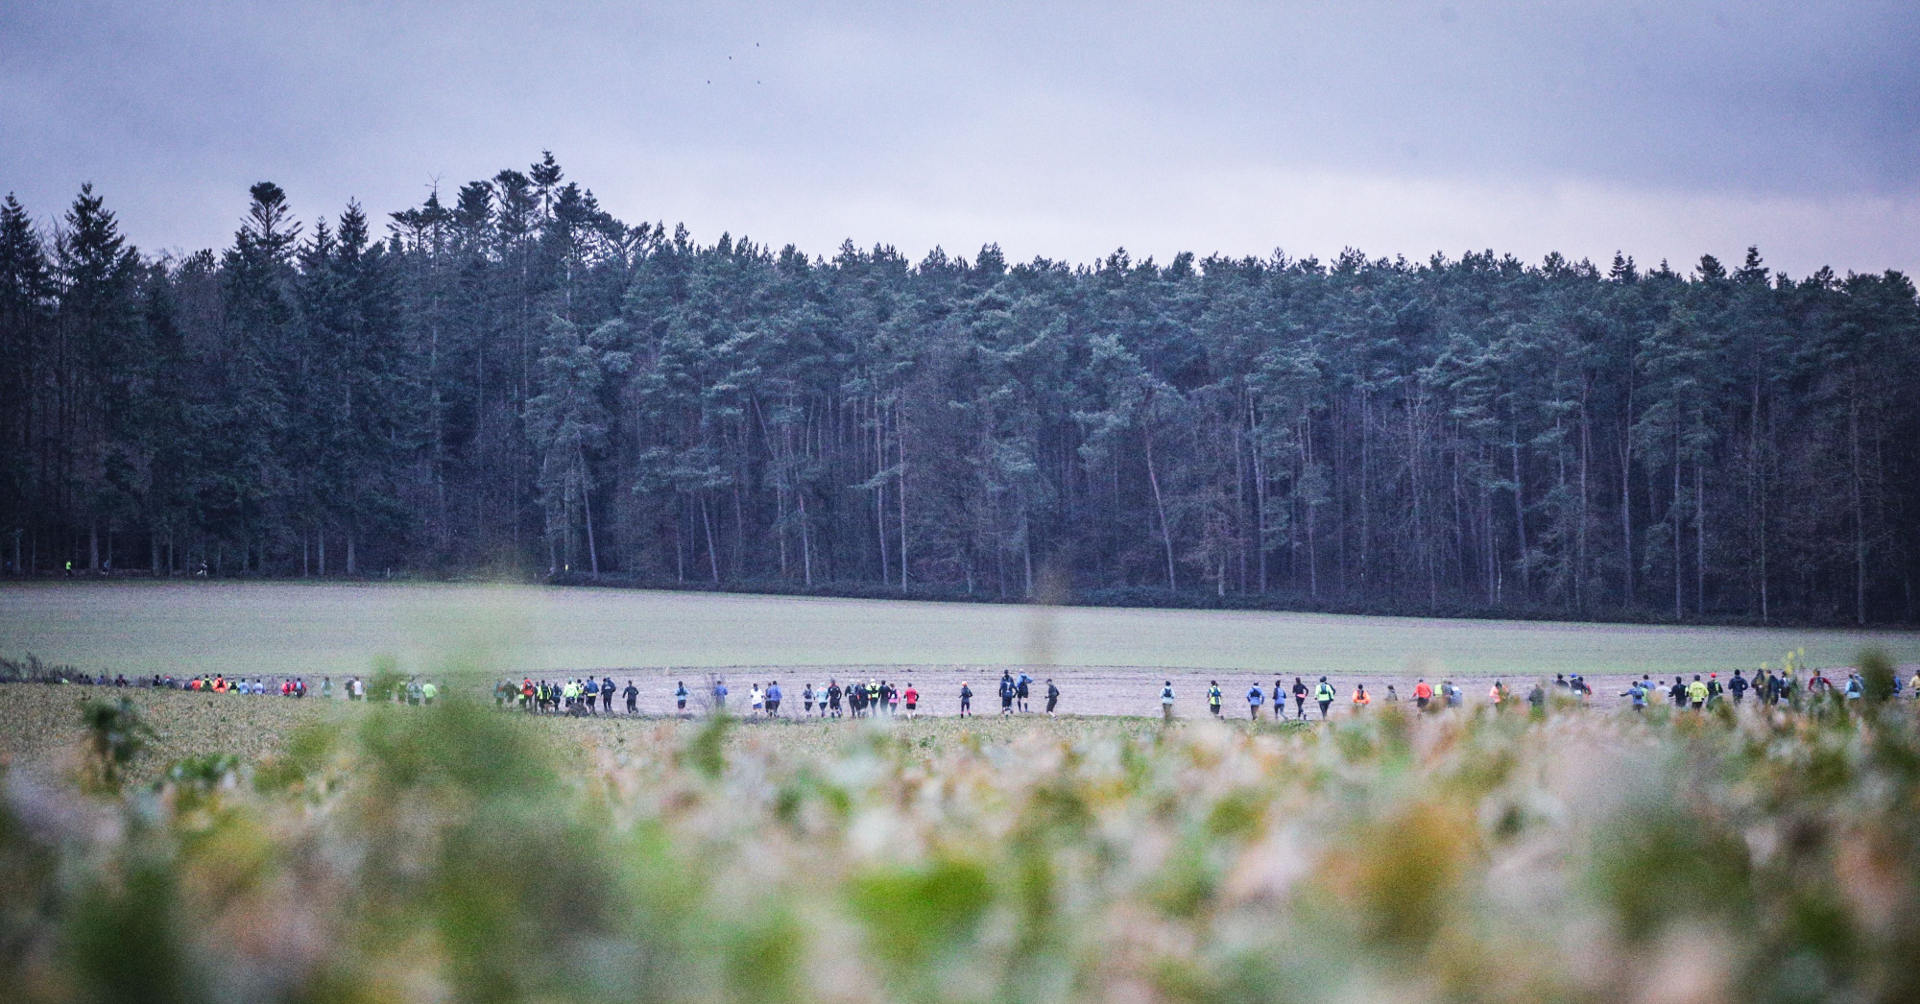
{"points": [[1053, 697], [1422, 694], [1299, 699], [1254, 697], [912, 697], [633, 698], [1324, 695], [1213, 697], [966, 699], [1166, 701]]}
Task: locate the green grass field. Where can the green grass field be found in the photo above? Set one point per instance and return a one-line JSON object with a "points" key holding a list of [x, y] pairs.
{"points": [[181, 628]]}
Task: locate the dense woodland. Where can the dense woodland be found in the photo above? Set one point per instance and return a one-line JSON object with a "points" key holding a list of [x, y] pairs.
{"points": [[516, 382]]}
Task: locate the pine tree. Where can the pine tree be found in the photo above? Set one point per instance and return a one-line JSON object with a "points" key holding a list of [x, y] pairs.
{"points": [[96, 334], [568, 426], [249, 483], [26, 299]]}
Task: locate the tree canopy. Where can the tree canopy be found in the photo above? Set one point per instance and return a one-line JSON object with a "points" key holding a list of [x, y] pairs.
{"points": [[519, 381]]}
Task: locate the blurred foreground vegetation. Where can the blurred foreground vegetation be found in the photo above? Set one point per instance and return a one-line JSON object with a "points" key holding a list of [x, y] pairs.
{"points": [[452, 852]]}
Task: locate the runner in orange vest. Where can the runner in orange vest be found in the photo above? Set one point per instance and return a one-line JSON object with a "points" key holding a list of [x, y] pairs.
{"points": [[1422, 693]]}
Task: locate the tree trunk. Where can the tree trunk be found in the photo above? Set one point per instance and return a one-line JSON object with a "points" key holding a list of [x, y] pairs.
{"points": [[1422, 547], [1490, 541], [900, 423], [1772, 452], [1679, 569], [586, 506], [1159, 505], [880, 488], [436, 444], [1366, 488], [680, 541], [1240, 500], [806, 539], [1313, 548], [1699, 538], [1859, 509], [780, 523], [1757, 499], [1580, 539], [706, 523], [1626, 501], [1026, 549], [1520, 520], [1259, 500], [739, 517]]}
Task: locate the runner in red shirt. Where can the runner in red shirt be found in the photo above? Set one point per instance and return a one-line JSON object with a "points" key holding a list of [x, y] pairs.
{"points": [[912, 697]]}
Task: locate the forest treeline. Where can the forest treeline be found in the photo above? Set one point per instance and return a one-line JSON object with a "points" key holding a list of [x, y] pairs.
{"points": [[516, 381]]}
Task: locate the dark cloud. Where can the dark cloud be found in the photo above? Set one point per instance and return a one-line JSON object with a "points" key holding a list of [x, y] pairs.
{"points": [[1060, 130]]}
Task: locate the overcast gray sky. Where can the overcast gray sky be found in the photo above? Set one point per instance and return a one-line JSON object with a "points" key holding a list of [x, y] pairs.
{"points": [[1064, 130]]}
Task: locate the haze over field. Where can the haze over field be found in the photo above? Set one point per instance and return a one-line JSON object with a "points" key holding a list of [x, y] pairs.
{"points": [[303, 628]]}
